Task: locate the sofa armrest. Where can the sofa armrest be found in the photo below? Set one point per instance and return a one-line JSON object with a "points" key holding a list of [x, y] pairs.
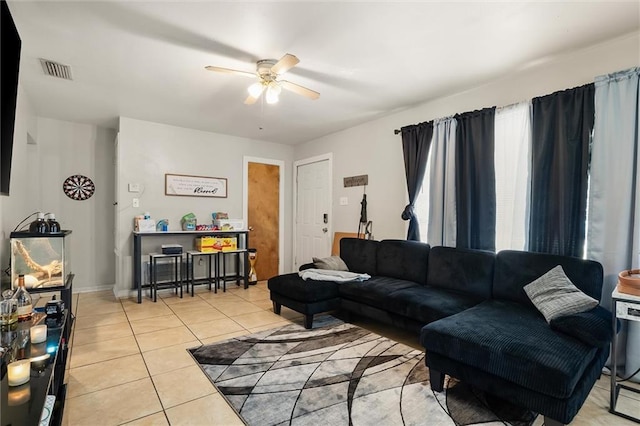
{"points": [[592, 327]]}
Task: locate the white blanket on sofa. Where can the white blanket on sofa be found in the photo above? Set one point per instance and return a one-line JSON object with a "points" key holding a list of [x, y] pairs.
{"points": [[330, 275]]}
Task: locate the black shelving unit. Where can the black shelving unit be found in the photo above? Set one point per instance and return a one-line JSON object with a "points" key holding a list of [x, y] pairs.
{"points": [[42, 382]]}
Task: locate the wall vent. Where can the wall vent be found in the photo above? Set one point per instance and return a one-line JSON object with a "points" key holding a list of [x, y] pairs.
{"points": [[55, 69]]}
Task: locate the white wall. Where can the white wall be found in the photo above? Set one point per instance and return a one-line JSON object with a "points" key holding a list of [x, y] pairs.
{"points": [[373, 149], [45, 153], [146, 151], [19, 203], [67, 149]]}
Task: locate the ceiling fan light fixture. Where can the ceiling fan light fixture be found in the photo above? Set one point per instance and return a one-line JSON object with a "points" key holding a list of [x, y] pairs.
{"points": [[272, 98], [255, 89], [273, 93]]}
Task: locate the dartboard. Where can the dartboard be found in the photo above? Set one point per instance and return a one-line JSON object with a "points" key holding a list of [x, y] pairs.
{"points": [[78, 187]]}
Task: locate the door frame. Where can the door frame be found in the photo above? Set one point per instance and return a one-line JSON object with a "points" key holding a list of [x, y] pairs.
{"points": [[322, 157], [245, 200]]}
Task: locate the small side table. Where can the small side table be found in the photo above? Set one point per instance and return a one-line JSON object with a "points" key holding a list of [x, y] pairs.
{"points": [[625, 307]]}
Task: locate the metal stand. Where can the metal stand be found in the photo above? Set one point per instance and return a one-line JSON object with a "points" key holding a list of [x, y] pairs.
{"points": [[213, 270], [623, 306], [241, 272], [176, 283]]}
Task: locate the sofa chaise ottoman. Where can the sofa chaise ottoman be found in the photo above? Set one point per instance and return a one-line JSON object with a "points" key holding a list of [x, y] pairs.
{"points": [[308, 298], [505, 346]]}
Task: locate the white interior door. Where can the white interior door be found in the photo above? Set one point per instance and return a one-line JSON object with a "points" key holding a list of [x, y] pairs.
{"points": [[313, 209]]}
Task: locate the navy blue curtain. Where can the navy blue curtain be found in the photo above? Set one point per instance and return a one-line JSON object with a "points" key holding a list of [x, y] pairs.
{"points": [[416, 140], [476, 180], [562, 127]]}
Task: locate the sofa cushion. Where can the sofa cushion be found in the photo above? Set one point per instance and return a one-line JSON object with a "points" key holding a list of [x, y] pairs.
{"points": [[406, 260], [375, 291], [512, 342], [426, 304], [359, 255], [554, 295], [333, 263], [464, 270], [294, 287], [515, 269], [592, 327]]}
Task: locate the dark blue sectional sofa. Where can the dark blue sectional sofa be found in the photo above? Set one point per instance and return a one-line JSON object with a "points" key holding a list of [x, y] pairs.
{"points": [[474, 318]]}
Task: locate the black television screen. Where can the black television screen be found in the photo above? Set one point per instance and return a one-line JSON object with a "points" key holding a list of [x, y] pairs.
{"points": [[10, 44]]}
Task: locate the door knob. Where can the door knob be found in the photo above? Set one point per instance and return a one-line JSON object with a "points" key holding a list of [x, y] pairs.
{"points": [[324, 230], [251, 228]]}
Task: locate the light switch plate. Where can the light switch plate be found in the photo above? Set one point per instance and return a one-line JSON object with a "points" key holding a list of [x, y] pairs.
{"points": [[344, 201], [135, 202]]}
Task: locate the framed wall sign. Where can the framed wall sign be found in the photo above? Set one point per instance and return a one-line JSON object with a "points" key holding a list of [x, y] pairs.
{"points": [[195, 186]]}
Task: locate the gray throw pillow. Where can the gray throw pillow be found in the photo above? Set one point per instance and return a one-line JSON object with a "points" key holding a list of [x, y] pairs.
{"points": [[554, 295], [334, 263]]}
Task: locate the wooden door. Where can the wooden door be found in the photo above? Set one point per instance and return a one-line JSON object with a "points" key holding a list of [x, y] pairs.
{"points": [[263, 216]]}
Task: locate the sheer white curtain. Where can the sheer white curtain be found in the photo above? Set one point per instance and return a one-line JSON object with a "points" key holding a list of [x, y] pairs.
{"points": [[512, 164], [613, 228], [438, 201]]}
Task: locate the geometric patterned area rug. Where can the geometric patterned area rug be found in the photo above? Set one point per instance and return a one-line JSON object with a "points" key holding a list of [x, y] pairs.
{"points": [[340, 374]]}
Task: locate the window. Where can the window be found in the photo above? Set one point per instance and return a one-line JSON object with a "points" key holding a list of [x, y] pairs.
{"points": [[512, 153]]}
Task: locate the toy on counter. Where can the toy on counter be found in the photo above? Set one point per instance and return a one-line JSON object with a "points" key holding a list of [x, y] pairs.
{"points": [[228, 224], [219, 215], [144, 223], [162, 225], [221, 222], [188, 222]]}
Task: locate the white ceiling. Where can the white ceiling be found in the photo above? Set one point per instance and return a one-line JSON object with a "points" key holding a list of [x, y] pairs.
{"points": [[146, 60]]}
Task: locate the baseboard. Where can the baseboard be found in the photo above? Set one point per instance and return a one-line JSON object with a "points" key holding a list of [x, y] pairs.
{"points": [[92, 289], [126, 294]]}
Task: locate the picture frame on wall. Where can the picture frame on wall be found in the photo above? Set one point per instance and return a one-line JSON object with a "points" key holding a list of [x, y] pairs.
{"points": [[194, 186]]}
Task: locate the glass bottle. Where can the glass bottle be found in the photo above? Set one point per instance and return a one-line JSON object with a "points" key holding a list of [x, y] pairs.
{"points": [[54, 226], [24, 301], [8, 309], [39, 226]]}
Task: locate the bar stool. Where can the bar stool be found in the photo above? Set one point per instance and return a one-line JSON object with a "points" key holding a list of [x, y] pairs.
{"points": [[212, 262], [176, 267], [223, 276]]}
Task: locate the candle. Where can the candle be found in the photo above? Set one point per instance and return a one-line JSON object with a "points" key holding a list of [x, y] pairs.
{"points": [[39, 333], [18, 372]]}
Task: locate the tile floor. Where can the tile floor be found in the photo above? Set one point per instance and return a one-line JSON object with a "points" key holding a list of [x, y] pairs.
{"points": [[128, 362]]}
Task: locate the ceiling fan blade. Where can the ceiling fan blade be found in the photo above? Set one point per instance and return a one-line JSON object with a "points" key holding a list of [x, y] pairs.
{"points": [[230, 71], [311, 94], [250, 100], [285, 63]]}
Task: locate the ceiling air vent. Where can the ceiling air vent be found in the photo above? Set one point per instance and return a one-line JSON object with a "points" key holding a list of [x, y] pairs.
{"points": [[55, 69]]}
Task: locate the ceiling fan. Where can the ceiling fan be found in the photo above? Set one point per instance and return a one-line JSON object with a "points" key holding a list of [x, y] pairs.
{"points": [[269, 72]]}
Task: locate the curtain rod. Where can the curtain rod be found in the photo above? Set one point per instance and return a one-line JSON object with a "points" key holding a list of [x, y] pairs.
{"points": [[396, 131]]}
